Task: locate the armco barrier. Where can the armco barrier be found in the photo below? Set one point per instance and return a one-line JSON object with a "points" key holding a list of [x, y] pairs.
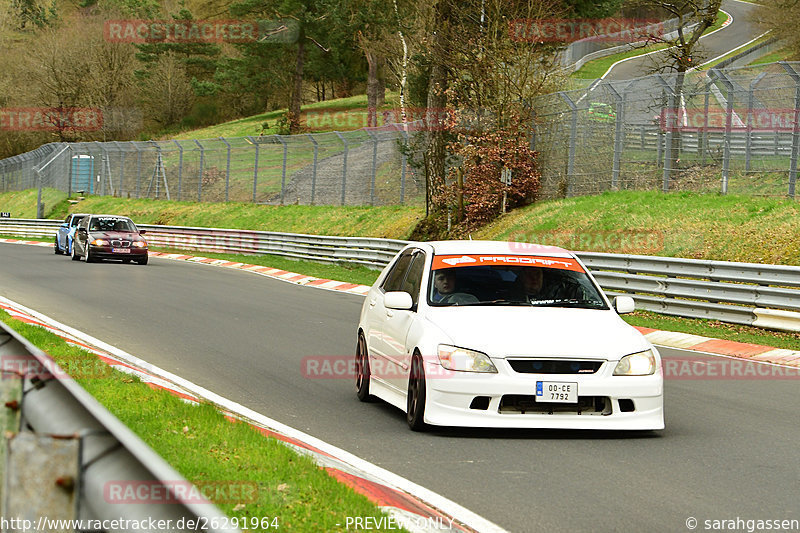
{"points": [[742, 293], [62, 449]]}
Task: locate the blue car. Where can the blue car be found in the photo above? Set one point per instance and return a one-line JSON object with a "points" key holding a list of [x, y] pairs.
{"points": [[66, 232]]}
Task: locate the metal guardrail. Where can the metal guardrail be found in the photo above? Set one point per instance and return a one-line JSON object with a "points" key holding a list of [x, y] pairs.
{"points": [[742, 293], [66, 454]]}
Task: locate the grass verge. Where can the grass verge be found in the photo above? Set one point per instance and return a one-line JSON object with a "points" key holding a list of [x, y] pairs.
{"points": [[269, 479], [714, 329]]}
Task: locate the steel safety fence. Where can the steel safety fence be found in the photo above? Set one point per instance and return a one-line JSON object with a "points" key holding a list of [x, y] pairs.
{"points": [[744, 293]]}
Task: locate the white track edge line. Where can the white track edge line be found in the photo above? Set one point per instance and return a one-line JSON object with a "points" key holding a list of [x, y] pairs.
{"points": [[455, 510]]}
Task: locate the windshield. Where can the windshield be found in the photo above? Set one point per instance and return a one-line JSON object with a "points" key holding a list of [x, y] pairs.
{"points": [[562, 284], [111, 224]]}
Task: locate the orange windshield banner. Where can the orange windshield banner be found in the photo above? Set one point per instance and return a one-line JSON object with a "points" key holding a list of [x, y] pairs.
{"points": [[452, 261]]}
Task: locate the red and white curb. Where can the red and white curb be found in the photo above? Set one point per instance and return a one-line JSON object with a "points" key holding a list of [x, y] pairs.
{"points": [[409, 505], [742, 350], [276, 273]]}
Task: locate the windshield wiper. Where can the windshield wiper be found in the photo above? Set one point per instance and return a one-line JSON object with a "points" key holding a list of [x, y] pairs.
{"points": [[499, 301], [568, 302]]}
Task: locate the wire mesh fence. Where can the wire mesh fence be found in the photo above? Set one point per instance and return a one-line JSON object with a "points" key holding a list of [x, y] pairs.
{"points": [[727, 130], [369, 166], [723, 130]]}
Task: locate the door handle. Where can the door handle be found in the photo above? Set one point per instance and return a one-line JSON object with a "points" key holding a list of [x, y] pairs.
{"points": [[372, 303], [389, 313]]}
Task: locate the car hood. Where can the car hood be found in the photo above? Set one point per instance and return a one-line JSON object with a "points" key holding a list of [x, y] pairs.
{"points": [[124, 235], [527, 331]]}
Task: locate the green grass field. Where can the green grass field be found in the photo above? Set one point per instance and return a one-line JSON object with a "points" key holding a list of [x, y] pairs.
{"points": [[269, 479]]}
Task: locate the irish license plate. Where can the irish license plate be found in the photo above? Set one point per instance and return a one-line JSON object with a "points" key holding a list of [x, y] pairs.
{"points": [[556, 392], [121, 250]]}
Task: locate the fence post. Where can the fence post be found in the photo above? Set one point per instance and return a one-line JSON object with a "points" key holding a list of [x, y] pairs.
{"points": [[572, 140], [374, 140], [69, 173], [283, 171], [668, 153], [344, 164], [200, 172], [121, 166], [749, 132], [227, 168], [255, 166], [39, 206], [726, 153], [660, 134], [619, 119], [138, 166], [403, 163], [795, 127], [180, 168], [314, 168], [702, 141]]}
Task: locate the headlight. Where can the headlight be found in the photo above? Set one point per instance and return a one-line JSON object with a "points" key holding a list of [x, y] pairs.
{"points": [[637, 364], [139, 244], [454, 358], [99, 242]]}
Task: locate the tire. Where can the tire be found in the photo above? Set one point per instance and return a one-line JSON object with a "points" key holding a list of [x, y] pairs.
{"points": [[415, 407], [142, 261], [57, 249], [87, 256], [362, 371], [75, 256]]}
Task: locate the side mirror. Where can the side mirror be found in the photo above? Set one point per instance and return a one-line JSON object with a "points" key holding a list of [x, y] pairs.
{"points": [[142, 231], [81, 230], [624, 304], [398, 300]]}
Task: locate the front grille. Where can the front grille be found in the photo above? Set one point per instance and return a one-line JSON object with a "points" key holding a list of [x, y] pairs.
{"points": [[526, 404], [116, 243], [554, 366]]}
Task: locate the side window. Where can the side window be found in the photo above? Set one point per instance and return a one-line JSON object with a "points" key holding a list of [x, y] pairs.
{"points": [[413, 279], [398, 272]]}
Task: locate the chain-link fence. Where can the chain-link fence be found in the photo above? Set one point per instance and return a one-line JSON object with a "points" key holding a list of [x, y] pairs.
{"points": [[727, 130], [363, 167], [723, 130]]}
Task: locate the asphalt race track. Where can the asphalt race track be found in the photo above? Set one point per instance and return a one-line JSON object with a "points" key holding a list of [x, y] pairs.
{"points": [[740, 31], [729, 450]]}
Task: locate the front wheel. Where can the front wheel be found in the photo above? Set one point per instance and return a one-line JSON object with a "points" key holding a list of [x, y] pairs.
{"points": [[75, 256], [415, 407], [142, 261], [362, 370], [55, 245]]}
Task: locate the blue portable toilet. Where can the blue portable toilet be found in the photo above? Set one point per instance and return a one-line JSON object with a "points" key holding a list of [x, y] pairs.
{"points": [[83, 173]]}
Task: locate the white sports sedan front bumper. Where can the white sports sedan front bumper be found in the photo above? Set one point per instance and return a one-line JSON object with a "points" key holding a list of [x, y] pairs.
{"points": [[508, 399]]}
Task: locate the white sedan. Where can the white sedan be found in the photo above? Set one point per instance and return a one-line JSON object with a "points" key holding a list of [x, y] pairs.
{"points": [[500, 334]]}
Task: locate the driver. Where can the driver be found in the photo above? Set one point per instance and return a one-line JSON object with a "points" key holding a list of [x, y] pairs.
{"points": [[444, 288]]}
